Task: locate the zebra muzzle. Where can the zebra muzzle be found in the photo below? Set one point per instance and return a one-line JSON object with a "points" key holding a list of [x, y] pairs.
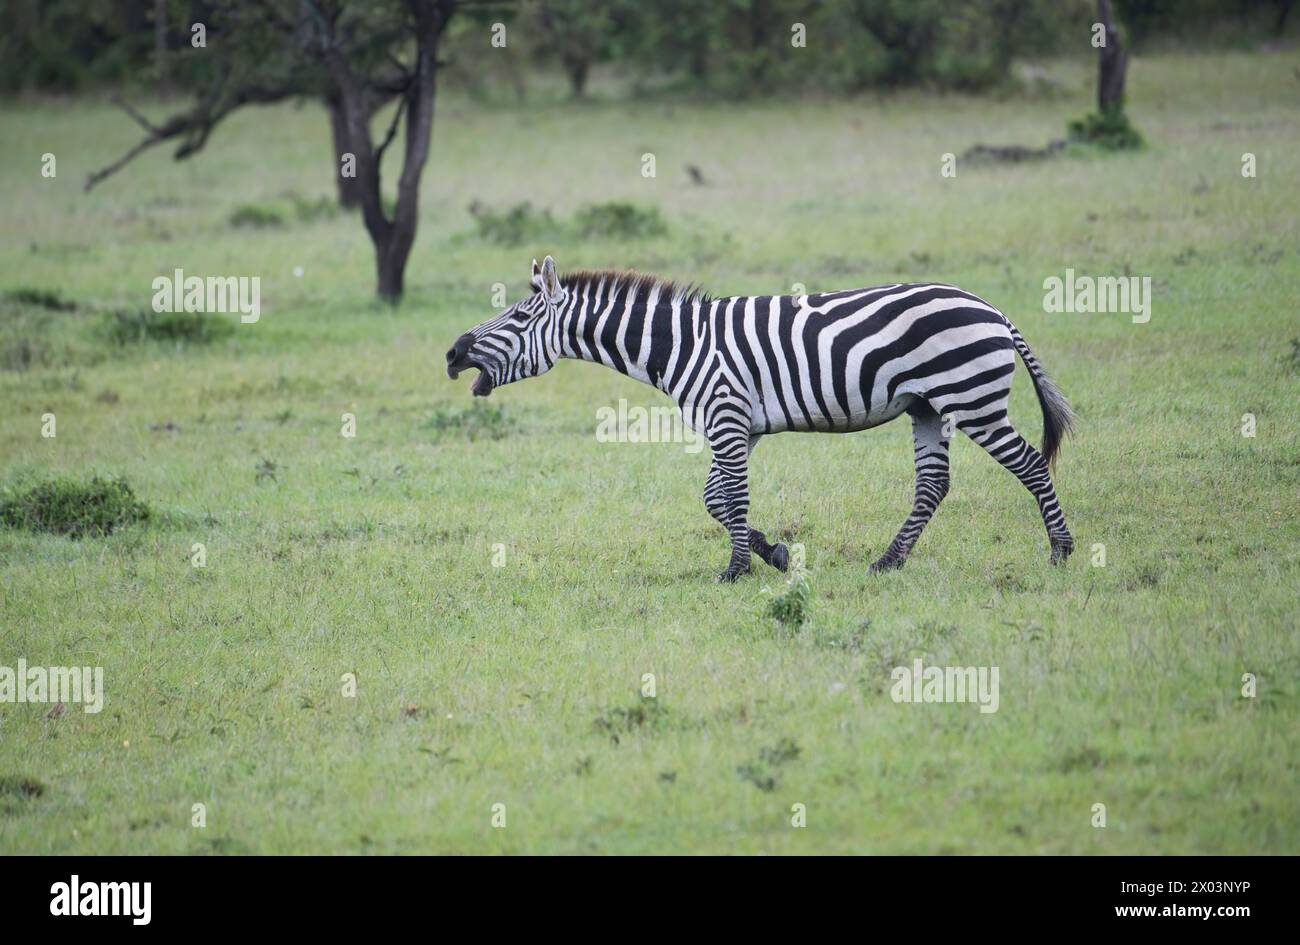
{"points": [[458, 355]]}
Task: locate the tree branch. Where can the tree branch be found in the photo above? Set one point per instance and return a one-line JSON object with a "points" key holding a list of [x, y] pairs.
{"points": [[195, 125]]}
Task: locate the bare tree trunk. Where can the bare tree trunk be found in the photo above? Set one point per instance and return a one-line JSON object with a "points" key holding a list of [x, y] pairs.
{"points": [[160, 43], [391, 257], [577, 67], [349, 192], [1284, 10], [1113, 63]]}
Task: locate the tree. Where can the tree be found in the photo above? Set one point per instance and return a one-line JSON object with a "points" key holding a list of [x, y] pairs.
{"points": [[351, 57], [1112, 64], [1109, 126], [579, 32]]}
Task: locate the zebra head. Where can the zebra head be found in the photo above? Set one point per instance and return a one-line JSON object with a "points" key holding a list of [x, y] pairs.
{"points": [[520, 342]]}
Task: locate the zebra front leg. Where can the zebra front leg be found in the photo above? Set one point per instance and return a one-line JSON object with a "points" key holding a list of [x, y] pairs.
{"points": [[731, 459], [736, 493], [775, 554], [931, 449]]}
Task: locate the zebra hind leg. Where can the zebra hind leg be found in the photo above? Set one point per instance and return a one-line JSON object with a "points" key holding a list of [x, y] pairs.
{"points": [[776, 554], [931, 449], [1013, 451]]}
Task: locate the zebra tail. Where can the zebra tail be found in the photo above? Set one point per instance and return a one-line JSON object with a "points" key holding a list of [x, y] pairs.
{"points": [[1058, 418]]}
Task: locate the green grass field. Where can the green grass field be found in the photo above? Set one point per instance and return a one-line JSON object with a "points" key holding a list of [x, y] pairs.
{"points": [[519, 685]]}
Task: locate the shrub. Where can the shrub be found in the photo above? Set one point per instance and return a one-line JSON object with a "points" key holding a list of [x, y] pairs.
{"points": [[512, 226], [1109, 129], [617, 721], [75, 509], [309, 211], [40, 298], [618, 220], [279, 213], [790, 607], [128, 327], [256, 216]]}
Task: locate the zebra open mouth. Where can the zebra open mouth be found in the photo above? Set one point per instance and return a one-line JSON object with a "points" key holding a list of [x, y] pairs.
{"points": [[482, 385]]}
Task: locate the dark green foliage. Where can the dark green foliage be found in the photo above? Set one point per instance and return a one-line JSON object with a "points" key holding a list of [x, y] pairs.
{"points": [[745, 48], [522, 223], [279, 213], [256, 216], [18, 786], [730, 47], [17, 793], [40, 298], [618, 220], [791, 606], [1204, 22], [618, 721], [1109, 129], [514, 225], [477, 421], [131, 327], [762, 772], [38, 328], [75, 509]]}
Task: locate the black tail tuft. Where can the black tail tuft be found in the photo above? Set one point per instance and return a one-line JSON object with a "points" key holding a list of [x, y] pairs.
{"points": [[1058, 418]]}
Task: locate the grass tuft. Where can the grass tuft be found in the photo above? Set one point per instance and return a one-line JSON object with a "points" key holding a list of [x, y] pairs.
{"points": [[619, 220], [513, 226], [475, 422], [66, 507], [791, 607], [141, 325], [1109, 130], [40, 298]]}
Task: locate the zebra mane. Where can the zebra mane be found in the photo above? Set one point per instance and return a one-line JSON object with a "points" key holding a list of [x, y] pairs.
{"points": [[640, 284]]}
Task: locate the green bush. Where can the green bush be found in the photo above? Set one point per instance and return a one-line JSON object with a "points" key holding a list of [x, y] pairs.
{"points": [[257, 216], [618, 220], [130, 327], [1109, 129], [75, 509], [791, 606], [512, 226], [47, 299], [279, 213]]}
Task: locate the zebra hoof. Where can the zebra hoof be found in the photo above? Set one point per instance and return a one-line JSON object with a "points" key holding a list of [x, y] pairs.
{"points": [[780, 558], [886, 563], [730, 575], [1061, 550]]}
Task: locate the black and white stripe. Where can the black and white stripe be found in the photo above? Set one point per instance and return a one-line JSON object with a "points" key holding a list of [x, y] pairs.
{"points": [[742, 367]]}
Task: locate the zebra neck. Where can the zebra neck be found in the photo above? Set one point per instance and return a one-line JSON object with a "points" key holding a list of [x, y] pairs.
{"points": [[651, 341]]}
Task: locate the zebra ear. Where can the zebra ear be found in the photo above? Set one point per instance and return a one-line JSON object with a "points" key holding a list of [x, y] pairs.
{"points": [[549, 278], [536, 281]]}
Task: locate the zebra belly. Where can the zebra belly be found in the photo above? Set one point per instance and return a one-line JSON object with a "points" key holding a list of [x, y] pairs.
{"points": [[857, 420]]}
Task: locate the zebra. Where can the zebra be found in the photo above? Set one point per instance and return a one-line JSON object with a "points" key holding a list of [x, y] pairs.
{"points": [[742, 367]]}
